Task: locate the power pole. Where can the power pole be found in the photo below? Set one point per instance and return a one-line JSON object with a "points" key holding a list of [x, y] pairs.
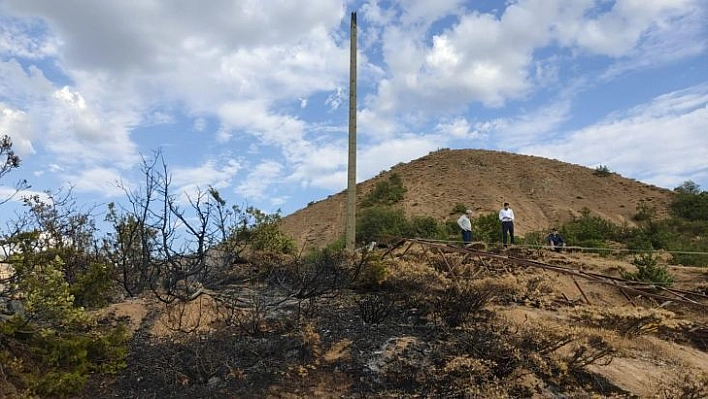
{"points": [[351, 175]]}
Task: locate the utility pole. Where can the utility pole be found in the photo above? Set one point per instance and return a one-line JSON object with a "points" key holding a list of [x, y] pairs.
{"points": [[351, 172]]}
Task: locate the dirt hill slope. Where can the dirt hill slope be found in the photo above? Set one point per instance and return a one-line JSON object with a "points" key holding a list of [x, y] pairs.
{"points": [[542, 192]]}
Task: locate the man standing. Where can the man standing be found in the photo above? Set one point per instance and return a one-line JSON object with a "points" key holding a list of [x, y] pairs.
{"points": [[466, 227], [506, 216]]}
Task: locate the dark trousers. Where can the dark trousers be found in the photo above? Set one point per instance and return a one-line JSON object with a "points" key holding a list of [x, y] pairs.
{"points": [[507, 227], [466, 236]]}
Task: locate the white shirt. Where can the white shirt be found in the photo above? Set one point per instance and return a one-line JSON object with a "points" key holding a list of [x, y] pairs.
{"points": [[464, 223], [506, 215]]}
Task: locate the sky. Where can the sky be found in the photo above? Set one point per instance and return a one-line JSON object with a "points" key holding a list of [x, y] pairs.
{"points": [[251, 97]]}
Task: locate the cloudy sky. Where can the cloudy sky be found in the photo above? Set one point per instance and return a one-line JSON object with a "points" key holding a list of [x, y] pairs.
{"points": [[251, 96]]}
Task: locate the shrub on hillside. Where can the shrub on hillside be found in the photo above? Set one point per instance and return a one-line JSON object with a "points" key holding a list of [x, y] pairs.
{"points": [[691, 206], [689, 385], [602, 171], [386, 192], [375, 308], [536, 238], [379, 221], [265, 233], [690, 254], [589, 228], [649, 271], [487, 228], [94, 288], [427, 227]]}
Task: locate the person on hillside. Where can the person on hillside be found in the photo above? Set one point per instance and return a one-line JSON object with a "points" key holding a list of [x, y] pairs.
{"points": [[506, 216], [555, 240], [465, 227]]}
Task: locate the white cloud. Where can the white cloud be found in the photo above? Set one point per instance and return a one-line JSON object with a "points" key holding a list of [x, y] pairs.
{"points": [[26, 39], [103, 181], [457, 128], [619, 30], [190, 182], [382, 156], [528, 128], [662, 142], [208, 174], [11, 194], [16, 124], [258, 181], [200, 124], [313, 167], [82, 135]]}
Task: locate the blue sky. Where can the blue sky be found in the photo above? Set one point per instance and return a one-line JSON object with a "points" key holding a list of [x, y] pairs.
{"points": [[251, 96]]}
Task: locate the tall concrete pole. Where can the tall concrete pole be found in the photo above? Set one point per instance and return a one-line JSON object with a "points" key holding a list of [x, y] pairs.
{"points": [[351, 175]]}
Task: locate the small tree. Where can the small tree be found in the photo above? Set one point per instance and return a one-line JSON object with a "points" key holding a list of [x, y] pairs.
{"points": [[690, 203], [602, 171], [264, 232], [488, 227], [688, 187], [53, 227], [649, 271]]}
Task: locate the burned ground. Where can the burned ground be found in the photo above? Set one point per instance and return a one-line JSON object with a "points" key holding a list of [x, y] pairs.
{"points": [[441, 323]]}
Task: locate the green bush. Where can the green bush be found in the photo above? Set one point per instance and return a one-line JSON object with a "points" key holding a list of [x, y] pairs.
{"points": [[649, 271], [487, 228], [644, 212], [265, 234], [68, 359], [375, 272], [690, 254], [386, 192], [427, 227], [380, 221], [691, 206], [639, 242], [536, 238], [93, 288], [602, 171], [589, 228], [60, 344]]}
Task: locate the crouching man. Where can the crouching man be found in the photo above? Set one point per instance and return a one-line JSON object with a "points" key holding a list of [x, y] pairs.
{"points": [[556, 241]]}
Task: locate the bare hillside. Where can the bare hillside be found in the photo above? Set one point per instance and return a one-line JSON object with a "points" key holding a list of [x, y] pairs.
{"points": [[541, 191]]}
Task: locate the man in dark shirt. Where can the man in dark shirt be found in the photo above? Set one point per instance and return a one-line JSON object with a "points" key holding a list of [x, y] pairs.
{"points": [[556, 241]]}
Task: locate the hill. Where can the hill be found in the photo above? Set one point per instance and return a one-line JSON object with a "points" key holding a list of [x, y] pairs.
{"points": [[542, 192]]}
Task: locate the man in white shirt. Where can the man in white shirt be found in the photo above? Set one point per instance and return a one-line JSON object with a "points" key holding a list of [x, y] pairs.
{"points": [[466, 226], [506, 216]]}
